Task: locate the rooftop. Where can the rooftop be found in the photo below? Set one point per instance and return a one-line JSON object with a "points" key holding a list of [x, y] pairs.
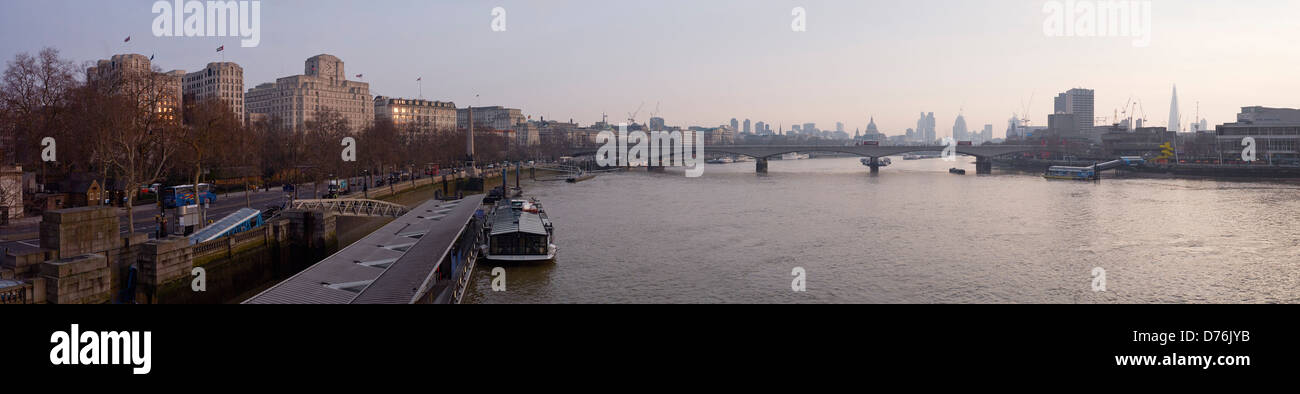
{"points": [[389, 266]]}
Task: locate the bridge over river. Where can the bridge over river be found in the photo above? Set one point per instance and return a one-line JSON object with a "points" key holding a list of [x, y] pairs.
{"points": [[983, 153]]}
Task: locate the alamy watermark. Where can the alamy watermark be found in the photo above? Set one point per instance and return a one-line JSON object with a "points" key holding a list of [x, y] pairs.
{"points": [[1098, 280], [76, 347], [1248, 152], [654, 149], [1102, 18], [498, 19], [194, 18]]}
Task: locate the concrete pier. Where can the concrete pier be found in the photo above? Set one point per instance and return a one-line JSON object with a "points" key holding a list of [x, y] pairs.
{"points": [[983, 165], [760, 165]]}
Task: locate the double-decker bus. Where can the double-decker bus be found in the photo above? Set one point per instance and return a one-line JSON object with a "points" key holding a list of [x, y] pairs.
{"points": [[186, 195]]}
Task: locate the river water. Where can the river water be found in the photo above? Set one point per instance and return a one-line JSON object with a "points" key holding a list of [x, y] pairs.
{"points": [[911, 234]]}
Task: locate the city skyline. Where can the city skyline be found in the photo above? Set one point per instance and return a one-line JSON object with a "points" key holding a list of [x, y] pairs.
{"points": [[840, 70]]}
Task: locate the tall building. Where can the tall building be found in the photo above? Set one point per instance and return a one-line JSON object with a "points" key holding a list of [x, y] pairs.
{"points": [[1080, 103], [1174, 121], [839, 126], [987, 136], [493, 118], [218, 81], [925, 128], [657, 124], [425, 115], [296, 100], [133, 74], [747, 129], [959, 131], [760, 127], [735, 124], [810, 128]]}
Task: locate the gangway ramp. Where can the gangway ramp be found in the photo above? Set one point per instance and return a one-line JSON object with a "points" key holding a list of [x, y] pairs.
{"points": [[242, 220]]}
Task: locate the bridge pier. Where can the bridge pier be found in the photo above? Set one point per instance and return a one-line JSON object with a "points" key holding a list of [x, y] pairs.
{"points": [[983, 165], [760, 165], [875, 165]]}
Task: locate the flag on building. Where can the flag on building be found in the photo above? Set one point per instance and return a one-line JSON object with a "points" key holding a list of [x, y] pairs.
{"points": [[361, 75], [221, 48], [128, 39], [419, 79], [151, 58]]}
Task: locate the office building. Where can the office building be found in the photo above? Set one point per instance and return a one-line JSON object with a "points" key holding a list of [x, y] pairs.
{"points": [[218, 81], [323, 86], [424, 115]]}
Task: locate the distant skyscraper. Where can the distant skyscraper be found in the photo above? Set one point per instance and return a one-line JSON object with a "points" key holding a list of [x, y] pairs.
{"points": [[1173, 112], [925, 128], [988, 133], [810, 128], [735, 125], [656, 124], [959, 129], [758, 127], [839, 126], [747, 124], [1080, 103]]}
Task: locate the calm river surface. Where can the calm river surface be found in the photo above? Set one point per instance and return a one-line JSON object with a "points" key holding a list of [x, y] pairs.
{"points": [[912, 234]]}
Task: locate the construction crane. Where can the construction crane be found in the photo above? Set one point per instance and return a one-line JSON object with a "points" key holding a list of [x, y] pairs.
{"points": [[631, 116], [1024, 110], [1125, 113]]}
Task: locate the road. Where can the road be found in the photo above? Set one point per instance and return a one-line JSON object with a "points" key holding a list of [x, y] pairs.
{"points": [[24, 235]]}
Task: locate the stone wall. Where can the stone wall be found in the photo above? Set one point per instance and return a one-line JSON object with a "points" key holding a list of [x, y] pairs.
{"points": [[312, 229], [84, 279], [163, 260], [78, 231], [26, 264]]}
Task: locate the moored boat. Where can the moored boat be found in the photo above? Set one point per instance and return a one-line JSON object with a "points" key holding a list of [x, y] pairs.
{"points": [[1072, 173], [519, 231]]}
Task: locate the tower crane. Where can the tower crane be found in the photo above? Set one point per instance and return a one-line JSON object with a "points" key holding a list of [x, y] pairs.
{"points": [[631, 116]]}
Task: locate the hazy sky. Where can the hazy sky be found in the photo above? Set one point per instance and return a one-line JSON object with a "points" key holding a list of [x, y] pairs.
{"points": [[710, 60]]}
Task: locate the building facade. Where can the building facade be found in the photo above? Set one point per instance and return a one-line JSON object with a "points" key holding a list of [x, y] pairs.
{"points": [[219, 81], [492, 118], [133, 74], [1080, 103], [425, 115], [1276, 132], [296, 100]]}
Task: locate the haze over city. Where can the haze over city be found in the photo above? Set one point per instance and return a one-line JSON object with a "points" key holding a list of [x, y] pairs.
{"points": [[708, 62]]}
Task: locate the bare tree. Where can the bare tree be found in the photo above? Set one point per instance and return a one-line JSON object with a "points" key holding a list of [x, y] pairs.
{"points": [[210, 127], [134, 118], [321, 139], [34, 92]]}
